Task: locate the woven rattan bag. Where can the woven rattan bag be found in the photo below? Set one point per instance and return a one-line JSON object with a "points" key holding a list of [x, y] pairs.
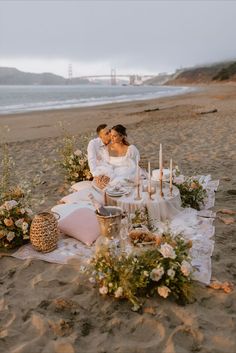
{"points": [[44, 231]]}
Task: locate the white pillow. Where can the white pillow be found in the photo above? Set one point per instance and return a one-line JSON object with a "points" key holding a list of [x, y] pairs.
{"points": [[81, 185], [78, 196]]}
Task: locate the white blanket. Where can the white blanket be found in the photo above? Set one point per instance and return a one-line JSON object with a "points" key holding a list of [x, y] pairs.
{"points": [[195, 225]]}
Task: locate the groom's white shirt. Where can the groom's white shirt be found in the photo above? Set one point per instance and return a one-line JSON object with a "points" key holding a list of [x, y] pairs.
{"points": [[97, 153]]}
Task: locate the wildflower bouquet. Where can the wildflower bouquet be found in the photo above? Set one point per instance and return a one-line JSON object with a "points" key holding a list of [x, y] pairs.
{"points": [[192, 192], [15, 219], [74, 162], [163, 269]]}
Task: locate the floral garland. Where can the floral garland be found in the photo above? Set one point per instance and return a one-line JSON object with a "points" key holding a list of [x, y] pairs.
{"points": [[163, 269], [15, 219]]}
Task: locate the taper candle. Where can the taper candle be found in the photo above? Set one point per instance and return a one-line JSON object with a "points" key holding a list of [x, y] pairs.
{"points": [[171, 176], [149, 176], [160, 162]]}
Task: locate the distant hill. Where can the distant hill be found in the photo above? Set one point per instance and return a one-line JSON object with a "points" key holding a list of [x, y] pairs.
{"points": [[13, 76], [225, 71], [160, 79]]}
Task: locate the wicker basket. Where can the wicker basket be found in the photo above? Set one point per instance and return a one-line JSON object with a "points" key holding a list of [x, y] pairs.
{"points": [[44, 231]]}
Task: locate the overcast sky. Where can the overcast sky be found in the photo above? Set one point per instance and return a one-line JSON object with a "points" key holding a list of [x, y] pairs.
{"points": [[132, 36]]}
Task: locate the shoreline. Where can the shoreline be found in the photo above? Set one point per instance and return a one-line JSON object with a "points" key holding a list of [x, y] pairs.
{"points": [[180, 90], [45, 124]]}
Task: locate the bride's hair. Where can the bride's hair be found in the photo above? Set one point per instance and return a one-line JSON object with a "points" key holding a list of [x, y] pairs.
{"points": [[122, 132]]}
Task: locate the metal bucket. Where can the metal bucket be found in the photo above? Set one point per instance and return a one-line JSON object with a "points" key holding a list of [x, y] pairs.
{"points": [[110, 225]]}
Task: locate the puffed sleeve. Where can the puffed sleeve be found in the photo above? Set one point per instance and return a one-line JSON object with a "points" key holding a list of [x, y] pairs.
{"points": [[133, 153]]}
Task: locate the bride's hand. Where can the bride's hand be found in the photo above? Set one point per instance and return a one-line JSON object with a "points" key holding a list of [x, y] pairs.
{"points": [[102, 181]]}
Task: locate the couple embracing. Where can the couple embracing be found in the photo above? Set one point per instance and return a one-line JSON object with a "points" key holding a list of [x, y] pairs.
{"points": [[111, 158]]}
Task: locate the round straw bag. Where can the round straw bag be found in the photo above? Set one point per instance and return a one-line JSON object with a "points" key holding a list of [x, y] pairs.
{"points": [[44, 231]]}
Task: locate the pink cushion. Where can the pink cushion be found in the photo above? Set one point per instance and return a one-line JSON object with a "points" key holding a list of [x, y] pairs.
{"points": [[81, 224]]}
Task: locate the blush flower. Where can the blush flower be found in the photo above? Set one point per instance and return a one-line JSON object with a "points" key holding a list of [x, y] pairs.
{"points": [[8, 222], [167, 251], [10, 236], [103, 290], [119, 292], [9, 205], [186, 268], [19, 222], [156, 274], [163, 291], [78, 153]]}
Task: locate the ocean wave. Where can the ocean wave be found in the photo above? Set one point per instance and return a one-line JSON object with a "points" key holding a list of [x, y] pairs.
{"points": [[93, 100]]}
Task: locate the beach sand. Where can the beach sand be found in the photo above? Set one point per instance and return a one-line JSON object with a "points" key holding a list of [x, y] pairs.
{"points": [[51, 308]]}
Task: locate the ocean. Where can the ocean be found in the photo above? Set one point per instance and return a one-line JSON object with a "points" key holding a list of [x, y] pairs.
{"points": [[19, 99]]}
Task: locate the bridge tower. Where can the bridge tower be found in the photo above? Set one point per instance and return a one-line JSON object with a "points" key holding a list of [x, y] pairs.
{"points": [[70, 72], [113, 77]]}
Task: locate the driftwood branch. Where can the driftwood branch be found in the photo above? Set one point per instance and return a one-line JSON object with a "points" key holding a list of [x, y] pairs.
{"points": [[151, 110], [209, 111]]}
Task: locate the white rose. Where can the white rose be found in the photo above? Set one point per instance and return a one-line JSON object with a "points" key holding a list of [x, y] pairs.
{"points": [[156, 274], [29, 211], [179, 179], [8, 205], [92, 280], [25, 227], [103, 290], [78, 153], [22, 211], [119, 292], [171, 273], [186, 268], [10, 236], [163, 291], [26, 236], [19, 222], [167, 251]]}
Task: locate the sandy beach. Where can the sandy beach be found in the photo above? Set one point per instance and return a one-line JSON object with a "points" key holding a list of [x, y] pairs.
{"points": [[47, 308]]}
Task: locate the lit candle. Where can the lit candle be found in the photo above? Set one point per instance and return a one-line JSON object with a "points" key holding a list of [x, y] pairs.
{"points": [[171, 176]]}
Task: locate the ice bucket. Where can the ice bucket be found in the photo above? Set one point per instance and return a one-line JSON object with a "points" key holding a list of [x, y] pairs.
{"points": [[110, 225]]}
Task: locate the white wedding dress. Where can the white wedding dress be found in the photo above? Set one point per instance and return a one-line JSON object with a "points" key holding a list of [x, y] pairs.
{"points": [[120, 169]]}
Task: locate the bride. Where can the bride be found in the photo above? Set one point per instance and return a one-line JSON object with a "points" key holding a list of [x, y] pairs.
{"points": [[122, 159]]}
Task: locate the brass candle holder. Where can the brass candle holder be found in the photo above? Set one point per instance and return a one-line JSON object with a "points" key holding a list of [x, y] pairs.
{"points": [[151, 190], [150, 195], [138, 196], [161, 184], [105, 199]]}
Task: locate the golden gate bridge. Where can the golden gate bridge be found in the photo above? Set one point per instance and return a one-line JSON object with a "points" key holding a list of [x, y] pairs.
{"points": [[134, 79]]}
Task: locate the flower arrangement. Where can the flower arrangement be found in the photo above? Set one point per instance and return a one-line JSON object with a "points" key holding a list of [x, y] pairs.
{"points": [[74, 162], [15, 219], [163, 269], [192, 192], [15, 216]]}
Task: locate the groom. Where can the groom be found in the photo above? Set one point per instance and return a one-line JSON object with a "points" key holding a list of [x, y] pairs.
{"points": [[97, 150]]}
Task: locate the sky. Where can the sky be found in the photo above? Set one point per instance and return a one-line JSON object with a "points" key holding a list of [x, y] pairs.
{"points": [[142, 37]]}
